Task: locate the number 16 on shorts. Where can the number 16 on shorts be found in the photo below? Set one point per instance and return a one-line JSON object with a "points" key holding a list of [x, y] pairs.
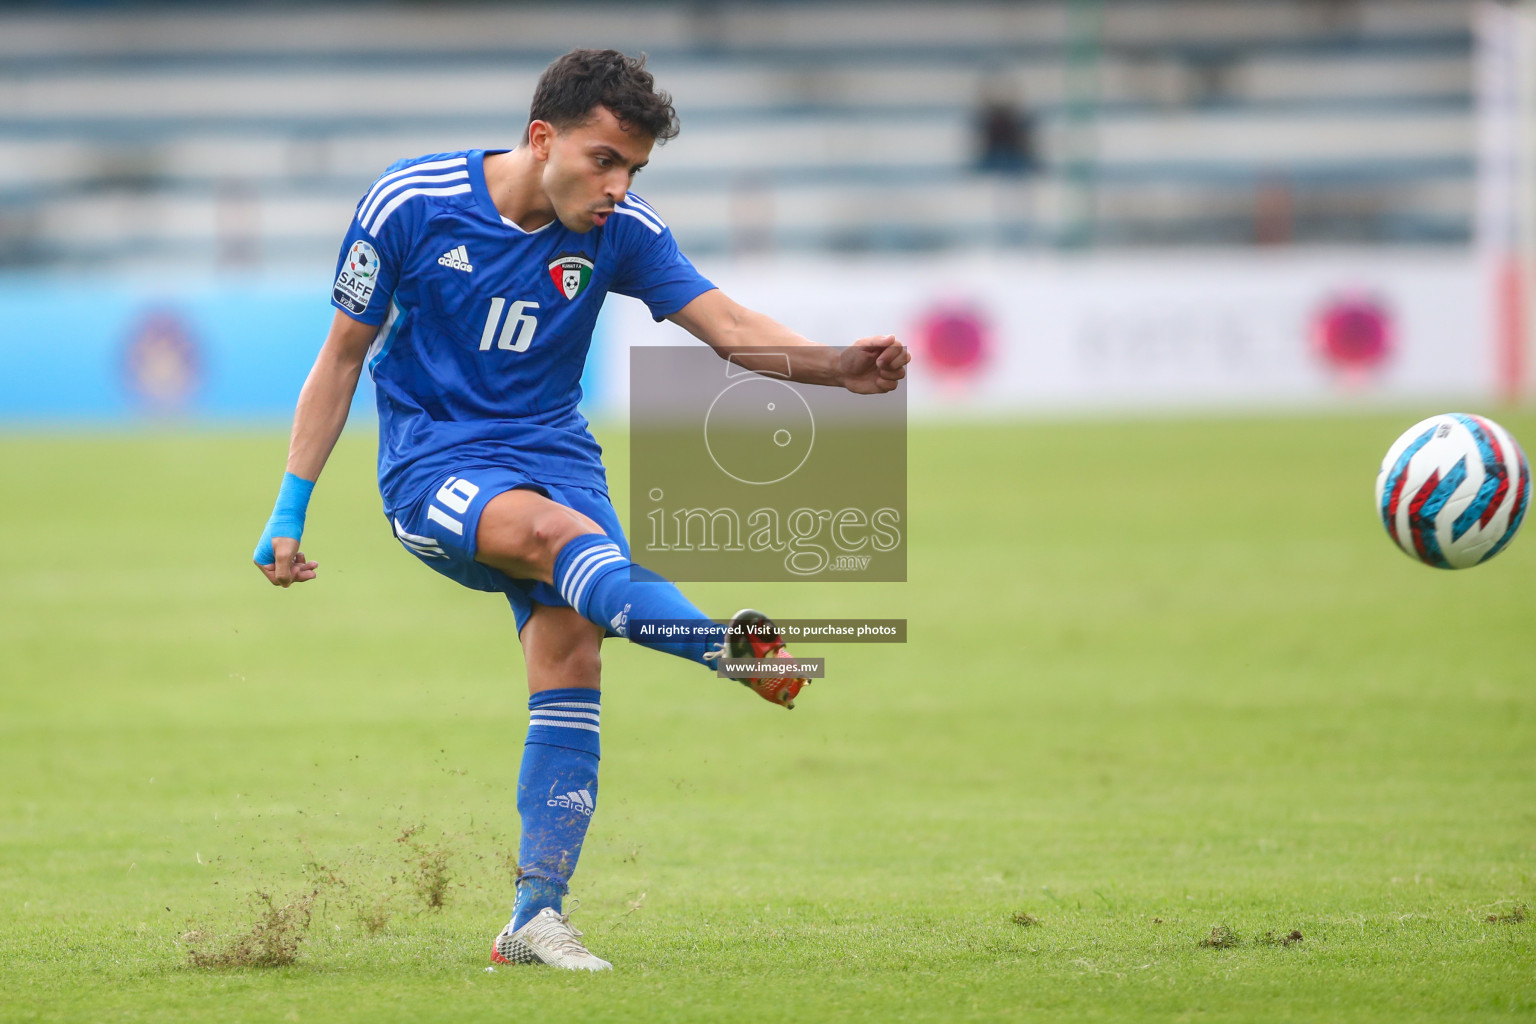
{"points": [[454, 496]]}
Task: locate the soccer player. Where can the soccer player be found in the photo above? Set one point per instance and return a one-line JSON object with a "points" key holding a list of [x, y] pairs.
{"points": [[468, 285]]}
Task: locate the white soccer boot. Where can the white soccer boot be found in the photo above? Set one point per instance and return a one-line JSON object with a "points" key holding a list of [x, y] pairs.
{"points": [[547, 938]]}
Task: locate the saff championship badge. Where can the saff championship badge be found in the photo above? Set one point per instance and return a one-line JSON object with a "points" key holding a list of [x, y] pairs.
{"points": [[359, 274]]}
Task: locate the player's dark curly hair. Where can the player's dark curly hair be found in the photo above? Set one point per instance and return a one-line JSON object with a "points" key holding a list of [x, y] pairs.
{"points": [[572, 86]]}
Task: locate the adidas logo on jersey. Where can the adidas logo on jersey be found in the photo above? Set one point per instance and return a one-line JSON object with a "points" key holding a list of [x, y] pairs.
{"points": [[457, 258], [580, 800]]}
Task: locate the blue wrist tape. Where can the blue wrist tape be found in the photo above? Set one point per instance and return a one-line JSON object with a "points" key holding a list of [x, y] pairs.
{"points": [[287, 516]]}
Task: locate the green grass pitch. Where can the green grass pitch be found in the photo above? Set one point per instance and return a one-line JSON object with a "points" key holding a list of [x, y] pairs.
{"points": [[1166, 680]]}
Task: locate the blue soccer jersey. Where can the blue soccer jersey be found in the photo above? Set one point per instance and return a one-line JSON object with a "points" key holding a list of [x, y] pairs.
{"points": [[485, 327]]}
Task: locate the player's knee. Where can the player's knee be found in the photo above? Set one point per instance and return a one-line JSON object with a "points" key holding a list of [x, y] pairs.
{"points": [[554, 529], [522, 532], [533, 542]]}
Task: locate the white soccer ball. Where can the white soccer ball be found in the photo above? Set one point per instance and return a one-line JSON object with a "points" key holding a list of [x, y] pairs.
{"points": [[1453, 490]]}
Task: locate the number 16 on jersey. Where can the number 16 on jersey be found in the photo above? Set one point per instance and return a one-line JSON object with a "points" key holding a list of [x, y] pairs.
{"points": [[516, 331]]}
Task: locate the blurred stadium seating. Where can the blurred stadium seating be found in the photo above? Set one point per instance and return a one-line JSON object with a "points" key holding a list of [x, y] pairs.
{"points": [[236, 136]]}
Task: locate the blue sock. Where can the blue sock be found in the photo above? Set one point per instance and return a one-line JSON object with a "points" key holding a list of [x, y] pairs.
{"points": [[608, 589], [556, 795]]}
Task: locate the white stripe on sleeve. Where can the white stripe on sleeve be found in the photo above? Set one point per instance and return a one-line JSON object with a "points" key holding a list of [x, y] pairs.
{"points": [[394, 187], [394, 204], [630, 197], [430, 165], [642, 218]]}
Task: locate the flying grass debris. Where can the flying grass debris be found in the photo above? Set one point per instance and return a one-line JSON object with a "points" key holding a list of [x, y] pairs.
{"points": [[1514, 915], [1291, 939], [1221, 937], [272, 941], [430, 876]]}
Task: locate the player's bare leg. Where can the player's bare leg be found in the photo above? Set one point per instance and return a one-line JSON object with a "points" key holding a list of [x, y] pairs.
{"points": [[521, 533], [561, 649]]}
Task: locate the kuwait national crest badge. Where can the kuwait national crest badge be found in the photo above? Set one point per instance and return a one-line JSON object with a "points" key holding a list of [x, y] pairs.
{"points": [[571, 273]]}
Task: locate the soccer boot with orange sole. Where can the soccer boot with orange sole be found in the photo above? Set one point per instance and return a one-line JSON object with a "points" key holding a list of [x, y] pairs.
{"points": [[751, 634]]}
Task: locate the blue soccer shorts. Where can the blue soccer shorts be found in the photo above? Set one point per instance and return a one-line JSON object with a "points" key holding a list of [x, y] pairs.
{"points": [[439, 528]]}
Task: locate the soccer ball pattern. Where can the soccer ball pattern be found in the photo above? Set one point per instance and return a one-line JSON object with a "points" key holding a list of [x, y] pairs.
{"points": [[363, 261], [1453, 490]]}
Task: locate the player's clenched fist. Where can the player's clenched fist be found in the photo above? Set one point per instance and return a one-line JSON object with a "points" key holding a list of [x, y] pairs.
{"points": [[288, 566], [874, 366], [277, 554]]}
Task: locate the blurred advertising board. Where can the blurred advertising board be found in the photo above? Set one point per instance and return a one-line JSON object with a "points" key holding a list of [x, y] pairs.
{"points": [[992, 333], [80, 351], [1005, 334]]}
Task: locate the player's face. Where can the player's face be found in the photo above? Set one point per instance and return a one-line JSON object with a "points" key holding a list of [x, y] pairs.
{"points": [[590, 167]]}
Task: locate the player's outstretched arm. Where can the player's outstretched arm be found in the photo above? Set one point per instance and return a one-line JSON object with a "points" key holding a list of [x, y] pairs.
{"points": [[317, 422], [870, 366]]}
